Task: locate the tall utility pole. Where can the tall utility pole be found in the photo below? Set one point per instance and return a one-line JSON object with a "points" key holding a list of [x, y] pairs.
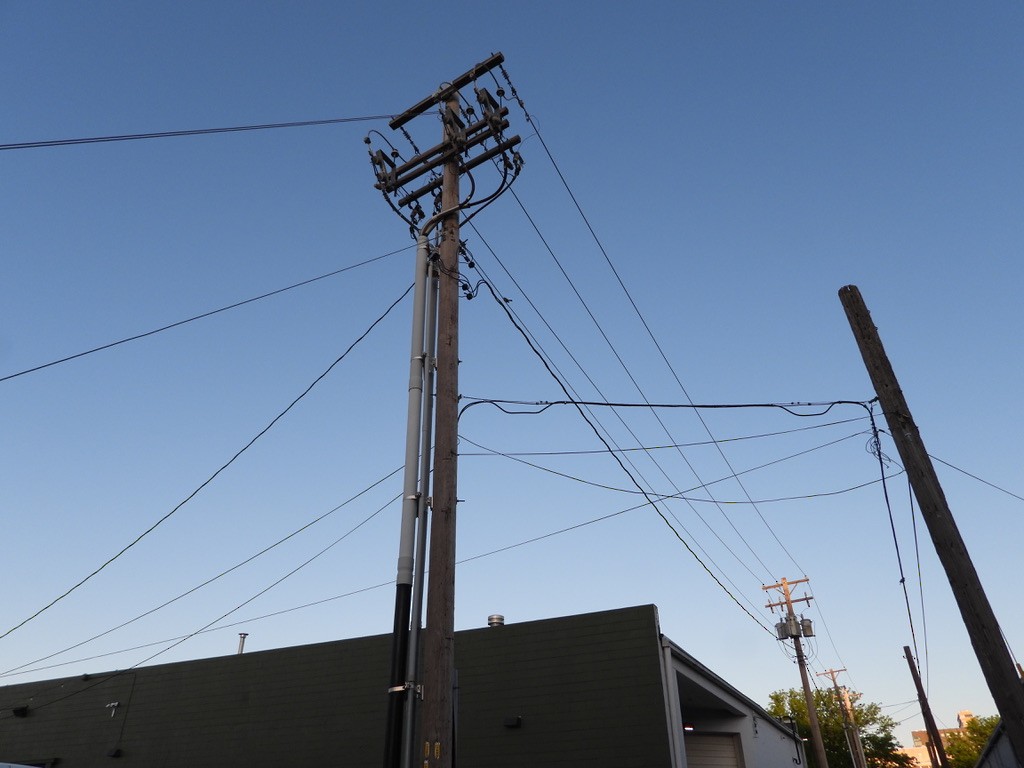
{"points": [[439, 638], [979, 618], [791, 628], [849, 719], [936, 751], [462, 148]]}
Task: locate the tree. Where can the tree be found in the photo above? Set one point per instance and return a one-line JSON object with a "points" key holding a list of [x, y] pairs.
{"points": [[963, 749], [876, 729]]}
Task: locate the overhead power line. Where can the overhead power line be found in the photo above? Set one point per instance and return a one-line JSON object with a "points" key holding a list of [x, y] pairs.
{"points": [[211, 478], [699, 443], [650, 500], [975, 477], [200, 316], [190, 132], [543, 405], [206, 582]]}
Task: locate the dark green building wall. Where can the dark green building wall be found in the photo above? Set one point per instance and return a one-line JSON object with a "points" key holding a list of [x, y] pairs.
{"points": [[588, 689], [583, 690]]}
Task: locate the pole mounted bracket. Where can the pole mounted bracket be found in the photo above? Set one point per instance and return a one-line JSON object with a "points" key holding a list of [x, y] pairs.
{"points": [[409, 686], [456, 127]]}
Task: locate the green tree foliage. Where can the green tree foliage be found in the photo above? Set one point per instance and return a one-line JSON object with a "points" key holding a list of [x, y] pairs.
{"points": [[963, 749], [876, 729]]}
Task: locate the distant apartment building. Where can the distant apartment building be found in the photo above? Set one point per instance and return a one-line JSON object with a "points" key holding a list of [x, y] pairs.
{"points": [[921, 749]]}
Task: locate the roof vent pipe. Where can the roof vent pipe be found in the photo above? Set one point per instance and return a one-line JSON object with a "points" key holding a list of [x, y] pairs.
{"points": [[495, 620]]}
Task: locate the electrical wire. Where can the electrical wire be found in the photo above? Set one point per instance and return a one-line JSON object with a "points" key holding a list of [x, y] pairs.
{"points": [[206, 628], [592, 414], [238, 623], [643, 321], [546, 356], [201, 316], [593, 418], [920, 584], [696, 444], [975, 477], [316, 603], [636, 384], [875, 447], [208, 581], [210, 479], [276, 582], [789, 408], [191, 132], [183, 638], [564, 380], [680, 495], [619, 461]]}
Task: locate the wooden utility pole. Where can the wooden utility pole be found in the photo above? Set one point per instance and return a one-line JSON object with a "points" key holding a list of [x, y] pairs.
{"points": [[812, 713], [979, 618], [849, 719], [936, 750], [463, 147], [439, 636]]}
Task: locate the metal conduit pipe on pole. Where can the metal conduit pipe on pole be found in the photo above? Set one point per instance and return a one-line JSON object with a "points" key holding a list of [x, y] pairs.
{"points": [[412, 665], [410, 509]]}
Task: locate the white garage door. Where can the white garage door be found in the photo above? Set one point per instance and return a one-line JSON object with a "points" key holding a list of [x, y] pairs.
{"points": [[712, 751]]}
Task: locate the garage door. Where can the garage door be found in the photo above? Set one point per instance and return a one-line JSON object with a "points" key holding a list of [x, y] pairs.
{"points": [[712, 751]]}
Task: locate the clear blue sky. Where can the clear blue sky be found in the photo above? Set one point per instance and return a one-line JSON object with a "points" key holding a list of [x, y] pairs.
{"points": [[739, 163]]}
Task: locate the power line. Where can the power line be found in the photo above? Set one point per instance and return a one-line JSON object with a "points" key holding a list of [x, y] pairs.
{"points": [[975, 477], [652, 502], [876, 449], [696, 444], [680, 495], [240, 622], [208, 581], [201, 316], [183, 638], [190, 132], [210, 479], [646, 326], [563, 380], [543, 405], [351, 593], [593, 421]]}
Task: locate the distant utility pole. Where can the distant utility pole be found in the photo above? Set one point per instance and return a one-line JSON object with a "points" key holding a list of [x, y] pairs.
{"points": [[790, 628], [936, 749], [849, 719], [462, 148], [979, 618]]}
